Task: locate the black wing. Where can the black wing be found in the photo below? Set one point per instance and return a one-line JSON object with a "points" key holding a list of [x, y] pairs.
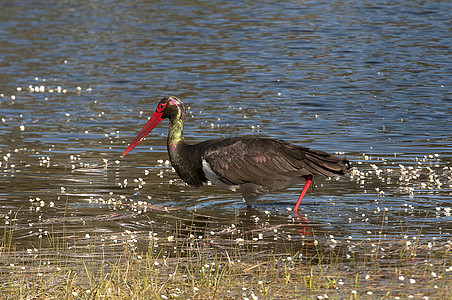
{"points": [[262, 161]]}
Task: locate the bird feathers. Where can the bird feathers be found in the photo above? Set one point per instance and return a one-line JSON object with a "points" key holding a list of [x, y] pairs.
{"points": [[267, 162]]}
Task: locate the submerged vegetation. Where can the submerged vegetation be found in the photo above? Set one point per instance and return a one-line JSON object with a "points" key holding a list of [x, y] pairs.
{"points": [[228, 262]]}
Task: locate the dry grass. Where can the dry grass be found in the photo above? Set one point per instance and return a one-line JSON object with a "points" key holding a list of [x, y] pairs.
{"points": [[211, 265]]}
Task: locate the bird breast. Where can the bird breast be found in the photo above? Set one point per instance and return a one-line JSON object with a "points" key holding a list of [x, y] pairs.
{"points": [[213, 177]]}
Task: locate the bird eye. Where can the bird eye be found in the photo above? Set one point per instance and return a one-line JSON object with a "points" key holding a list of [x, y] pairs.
{"points": [[161, 107]]}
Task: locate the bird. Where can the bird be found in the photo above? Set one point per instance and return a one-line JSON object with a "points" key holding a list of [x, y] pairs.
{"points": [[251, 166]]}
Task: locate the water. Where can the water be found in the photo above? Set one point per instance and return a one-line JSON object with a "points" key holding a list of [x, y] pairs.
{"points": [[368, 79]]}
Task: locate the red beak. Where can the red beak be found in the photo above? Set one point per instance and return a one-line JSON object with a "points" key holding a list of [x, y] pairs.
{"points": [[153, 121]]}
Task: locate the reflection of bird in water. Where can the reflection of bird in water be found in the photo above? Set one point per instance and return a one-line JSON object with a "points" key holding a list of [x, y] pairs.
{"points": [[249, 166], [306, 229]]}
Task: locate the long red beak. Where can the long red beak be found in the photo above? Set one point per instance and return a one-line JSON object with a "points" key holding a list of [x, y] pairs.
{"points": [[153, 121]]}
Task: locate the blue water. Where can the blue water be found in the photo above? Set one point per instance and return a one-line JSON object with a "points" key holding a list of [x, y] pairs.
{"points": [[363, 78]]}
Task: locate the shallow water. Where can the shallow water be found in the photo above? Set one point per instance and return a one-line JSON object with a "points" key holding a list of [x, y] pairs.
{"points": [[369, 80]]}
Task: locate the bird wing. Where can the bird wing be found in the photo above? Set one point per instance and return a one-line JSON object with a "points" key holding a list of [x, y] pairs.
{"points": [[262, 161]]}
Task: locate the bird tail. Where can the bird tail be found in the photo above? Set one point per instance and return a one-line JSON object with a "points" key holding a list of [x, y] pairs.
{"points": [[319, 162]]}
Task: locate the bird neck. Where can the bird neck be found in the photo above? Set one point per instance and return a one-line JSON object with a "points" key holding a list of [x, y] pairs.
{"points": [[175, 132], [184, 158]]}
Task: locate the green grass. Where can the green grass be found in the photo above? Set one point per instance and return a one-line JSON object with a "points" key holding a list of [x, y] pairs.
{"points": [[198, 263]]}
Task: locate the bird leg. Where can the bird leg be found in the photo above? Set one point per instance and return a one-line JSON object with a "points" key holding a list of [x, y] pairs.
{"points": [[305, 189]]}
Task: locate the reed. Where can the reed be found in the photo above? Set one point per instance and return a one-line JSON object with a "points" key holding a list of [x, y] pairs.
{"points": [[200, 263]]}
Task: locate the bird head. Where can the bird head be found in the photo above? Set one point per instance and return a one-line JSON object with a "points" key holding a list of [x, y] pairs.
{"points": [[169, 106], [166, 109]]}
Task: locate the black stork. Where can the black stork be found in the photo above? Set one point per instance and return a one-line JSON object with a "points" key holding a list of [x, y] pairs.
{"points": [[249, 166]]}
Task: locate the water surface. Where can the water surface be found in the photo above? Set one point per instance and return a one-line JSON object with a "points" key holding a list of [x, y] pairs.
{"points": [[370, 80]]}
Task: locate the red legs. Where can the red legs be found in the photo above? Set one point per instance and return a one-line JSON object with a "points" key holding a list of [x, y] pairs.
{"points": [[305, 189]]}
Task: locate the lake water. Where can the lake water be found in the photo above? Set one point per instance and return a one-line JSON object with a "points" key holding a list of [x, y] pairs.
{"points": [[370, 80]]}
